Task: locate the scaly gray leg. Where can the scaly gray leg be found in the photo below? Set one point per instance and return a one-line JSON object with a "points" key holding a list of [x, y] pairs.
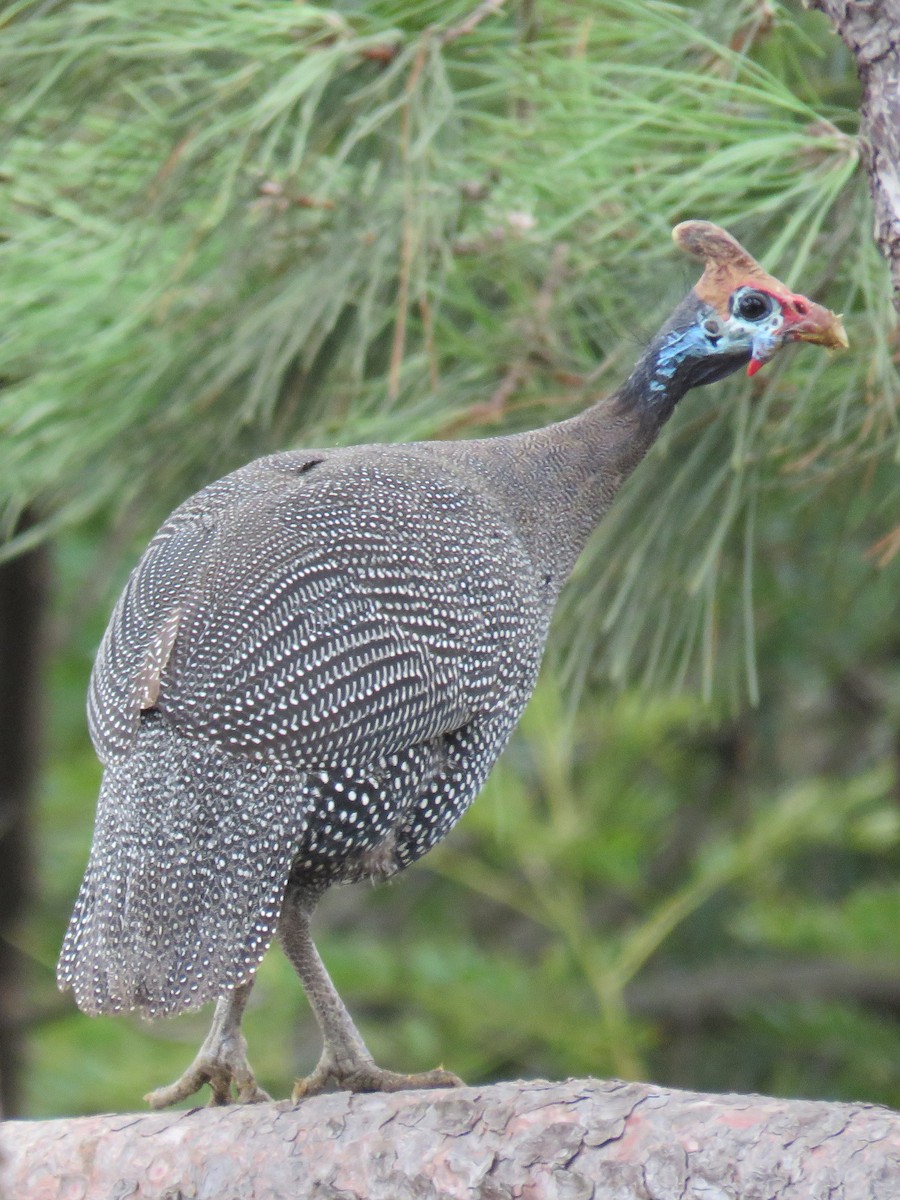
{"points": [[221, 1061], [345, 1060]]}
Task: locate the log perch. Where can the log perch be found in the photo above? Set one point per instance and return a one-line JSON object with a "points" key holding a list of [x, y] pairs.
{"points": [[584, 1139]]}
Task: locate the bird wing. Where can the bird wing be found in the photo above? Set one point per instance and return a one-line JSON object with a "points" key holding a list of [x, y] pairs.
{"points": [[337, 616]]}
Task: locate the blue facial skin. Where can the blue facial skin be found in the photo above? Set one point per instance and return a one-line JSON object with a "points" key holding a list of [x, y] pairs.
{"points": [[697, 346], [724, 344], [691, 343]]}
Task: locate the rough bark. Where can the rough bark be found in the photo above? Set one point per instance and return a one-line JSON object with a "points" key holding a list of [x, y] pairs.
{"points": [[871, 31], [577, 1140]]}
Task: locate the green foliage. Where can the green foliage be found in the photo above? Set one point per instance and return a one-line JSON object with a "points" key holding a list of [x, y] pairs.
{"points": [[609, 861], [233, 227]]}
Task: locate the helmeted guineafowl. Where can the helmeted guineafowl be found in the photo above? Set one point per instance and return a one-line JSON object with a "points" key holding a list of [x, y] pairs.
{"points": [[318, 660]]}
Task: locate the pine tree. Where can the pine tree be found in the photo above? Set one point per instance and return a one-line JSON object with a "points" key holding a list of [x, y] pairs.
{"points": [[232, 227]]}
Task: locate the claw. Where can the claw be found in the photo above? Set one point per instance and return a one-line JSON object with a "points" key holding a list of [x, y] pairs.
{"points": [[221, 1062], [364, 1076], [229, 1084]]}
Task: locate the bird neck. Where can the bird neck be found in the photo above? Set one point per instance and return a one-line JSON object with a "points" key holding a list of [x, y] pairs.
{"points": [[571, 472], [563, 478]]}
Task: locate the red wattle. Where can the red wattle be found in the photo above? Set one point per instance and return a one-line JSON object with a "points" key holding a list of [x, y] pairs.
{"points": [[753, 366]]}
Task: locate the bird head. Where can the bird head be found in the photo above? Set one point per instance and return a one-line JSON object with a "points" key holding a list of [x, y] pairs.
{"points": [[745, 311]]}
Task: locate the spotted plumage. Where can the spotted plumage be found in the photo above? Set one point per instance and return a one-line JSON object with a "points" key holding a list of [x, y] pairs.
{"points": [[339, 650], [316, 663]]}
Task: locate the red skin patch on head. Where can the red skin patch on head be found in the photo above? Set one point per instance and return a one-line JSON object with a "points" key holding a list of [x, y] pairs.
{"points": [[728, 266], [794, 308]]}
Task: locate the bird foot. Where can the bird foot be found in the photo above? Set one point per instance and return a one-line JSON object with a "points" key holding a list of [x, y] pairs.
{"points": [[361, 1075], [225, 1068]]}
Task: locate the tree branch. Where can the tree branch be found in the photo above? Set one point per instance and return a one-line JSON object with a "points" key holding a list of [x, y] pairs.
{"points": [[487, 8], [688, 997], [577, 1140], [871, 31]]}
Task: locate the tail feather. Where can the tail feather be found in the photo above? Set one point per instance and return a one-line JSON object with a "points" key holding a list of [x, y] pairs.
{"points": [[183, 890]]}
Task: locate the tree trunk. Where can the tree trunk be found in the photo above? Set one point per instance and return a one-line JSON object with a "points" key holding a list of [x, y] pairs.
{"points": [[577, 1140], [23, 602], [871, 31]]}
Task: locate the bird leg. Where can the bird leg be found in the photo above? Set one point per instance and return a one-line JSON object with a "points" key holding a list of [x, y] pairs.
{"points": [[345, 1061], [221, 1061]]}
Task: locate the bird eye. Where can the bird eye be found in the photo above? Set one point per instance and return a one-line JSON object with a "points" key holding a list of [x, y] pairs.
{"points": [[753, 306]]}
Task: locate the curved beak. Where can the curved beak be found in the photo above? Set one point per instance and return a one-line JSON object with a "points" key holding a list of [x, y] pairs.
{"points": [[820, 326]]}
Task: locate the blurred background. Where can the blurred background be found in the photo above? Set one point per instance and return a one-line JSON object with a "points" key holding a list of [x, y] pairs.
{"points": [[236, 226]]}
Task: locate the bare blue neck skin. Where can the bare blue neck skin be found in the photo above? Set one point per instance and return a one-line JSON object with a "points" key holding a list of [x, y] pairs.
{"points": [[693, 348]]}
